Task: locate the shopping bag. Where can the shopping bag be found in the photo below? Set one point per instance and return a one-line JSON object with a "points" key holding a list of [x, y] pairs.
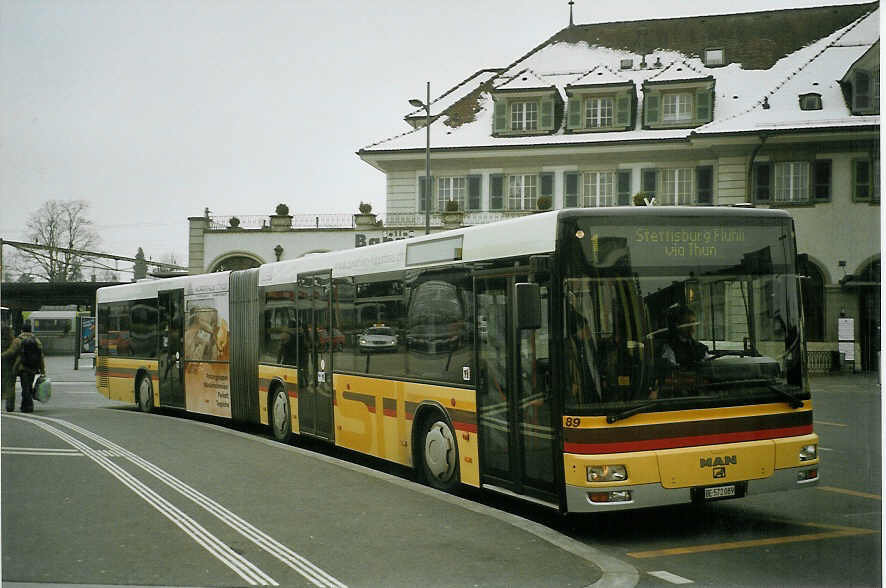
{"points": [[43, 389]]}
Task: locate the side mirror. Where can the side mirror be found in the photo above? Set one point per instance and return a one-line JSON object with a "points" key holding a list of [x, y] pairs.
{"points": [[803, 264], [528, 300]]}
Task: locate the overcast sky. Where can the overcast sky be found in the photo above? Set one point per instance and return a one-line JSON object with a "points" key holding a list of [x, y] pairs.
{"points": [[152, 110]]}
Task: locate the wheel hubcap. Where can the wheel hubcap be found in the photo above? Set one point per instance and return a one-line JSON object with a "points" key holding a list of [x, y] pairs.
{"points": [[280, 411], [145, 391], [440, 450]]}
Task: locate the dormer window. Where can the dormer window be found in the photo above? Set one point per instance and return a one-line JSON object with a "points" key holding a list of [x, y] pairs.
{"points": [[524, 116], [810, 101], [676, 108], [600, 108], [533, 112], [714, 57], [627, 64], [680, 104], [861, 83]]}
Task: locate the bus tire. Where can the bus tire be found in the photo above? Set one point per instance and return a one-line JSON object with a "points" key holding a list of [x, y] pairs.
{"points": [[280, 414], [145, 391], [439, 453]]}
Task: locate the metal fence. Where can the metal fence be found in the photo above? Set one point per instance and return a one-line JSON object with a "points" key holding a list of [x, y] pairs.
{"points": [[299, 221], [347, 221], [822, 362]]}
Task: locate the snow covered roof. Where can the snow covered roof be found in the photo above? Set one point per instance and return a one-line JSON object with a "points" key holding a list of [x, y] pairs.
{"points": [[451, 96], [524, 80], [599, 75], [821, 45]]}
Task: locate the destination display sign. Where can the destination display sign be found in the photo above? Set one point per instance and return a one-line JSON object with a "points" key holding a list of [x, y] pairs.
{"points": [[749, 248]]}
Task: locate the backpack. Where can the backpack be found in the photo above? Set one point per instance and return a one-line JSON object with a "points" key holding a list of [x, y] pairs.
{"points": [[32, 355]]}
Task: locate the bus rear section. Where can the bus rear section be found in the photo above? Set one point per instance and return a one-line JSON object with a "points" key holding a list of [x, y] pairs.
{"points": [[684, 377]]}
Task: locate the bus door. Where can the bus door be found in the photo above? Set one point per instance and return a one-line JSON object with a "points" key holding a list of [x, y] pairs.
{"points": [[514, 396], [315, 357], [171, 360]]}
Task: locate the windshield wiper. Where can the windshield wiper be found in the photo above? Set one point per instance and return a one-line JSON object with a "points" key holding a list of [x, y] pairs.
{"points": [[785, 392], [792, 400], [629, 412]]}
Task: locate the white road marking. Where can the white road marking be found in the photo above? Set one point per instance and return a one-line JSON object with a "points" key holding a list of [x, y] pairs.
{"points": [[669, 577], [300, 564], [56, 451], [236, 562]]}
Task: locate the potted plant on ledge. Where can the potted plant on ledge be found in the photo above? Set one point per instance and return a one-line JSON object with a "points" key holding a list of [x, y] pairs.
{"points": [[364, 218], [543, 203], [281, 220], [453, 214]]}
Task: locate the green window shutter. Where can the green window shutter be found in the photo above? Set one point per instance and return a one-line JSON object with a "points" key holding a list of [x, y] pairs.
{"points": [[624, 187], [649, 181], [475, 184], [546, 181], [570, 191], [423, 197], [861, 91], [861, 179], [623, 111], [496, 191], [703, 107], [574, 113], [500, 118], [704, 184], [821, 179], [546, 118], [762, 182], [650, 108]]}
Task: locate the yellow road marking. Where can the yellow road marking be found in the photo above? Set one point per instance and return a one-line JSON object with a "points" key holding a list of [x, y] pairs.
{"points": [[831, 424], [849, 492], [838, 531]]}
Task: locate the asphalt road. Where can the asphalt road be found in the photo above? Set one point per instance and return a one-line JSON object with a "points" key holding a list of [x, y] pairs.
{"points": [[94, 492]]}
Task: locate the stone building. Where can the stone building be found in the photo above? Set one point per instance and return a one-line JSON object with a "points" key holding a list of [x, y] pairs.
{"points": [[770, 109]]}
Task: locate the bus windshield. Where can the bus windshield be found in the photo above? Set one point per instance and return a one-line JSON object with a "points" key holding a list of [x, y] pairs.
{"points": [[678, 313]]}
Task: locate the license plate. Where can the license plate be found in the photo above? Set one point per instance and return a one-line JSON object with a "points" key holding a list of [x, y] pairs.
{"points": [[719, 492]]}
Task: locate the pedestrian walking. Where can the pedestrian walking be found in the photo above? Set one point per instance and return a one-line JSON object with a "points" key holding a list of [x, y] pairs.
{"points": [[7, 367], [28, 363]]}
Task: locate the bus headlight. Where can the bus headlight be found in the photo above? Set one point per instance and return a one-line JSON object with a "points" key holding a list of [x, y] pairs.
{"points": [[607, 473], [808, 452]]}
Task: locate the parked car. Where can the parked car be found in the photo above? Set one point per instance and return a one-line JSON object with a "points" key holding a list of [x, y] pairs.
{"points": [[376, 339]]}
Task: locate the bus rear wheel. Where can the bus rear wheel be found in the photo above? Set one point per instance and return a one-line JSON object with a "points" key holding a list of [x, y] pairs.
{"points": [[281, 418], [439, 454], [145, 394]]}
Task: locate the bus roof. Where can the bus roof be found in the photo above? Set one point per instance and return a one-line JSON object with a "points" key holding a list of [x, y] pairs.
{"points": [[533, 234], [214, 282]]}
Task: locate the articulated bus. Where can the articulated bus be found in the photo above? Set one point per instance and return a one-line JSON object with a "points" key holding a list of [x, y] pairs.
{"points": [[584, 359]]}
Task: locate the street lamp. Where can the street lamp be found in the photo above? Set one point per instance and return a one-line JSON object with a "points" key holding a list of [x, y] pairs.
{"points": [[428, 185]]}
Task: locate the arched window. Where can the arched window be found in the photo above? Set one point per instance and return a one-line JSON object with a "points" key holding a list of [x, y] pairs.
{"points": [[234, 263], [813, 303]]}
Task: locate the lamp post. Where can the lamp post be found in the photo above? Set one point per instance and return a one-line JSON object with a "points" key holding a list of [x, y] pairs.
{"points": [[428, 184]]}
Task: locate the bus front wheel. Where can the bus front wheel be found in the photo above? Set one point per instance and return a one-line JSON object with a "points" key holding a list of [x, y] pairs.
{"points": [[145, 394], [439, 452], [281, 419]]}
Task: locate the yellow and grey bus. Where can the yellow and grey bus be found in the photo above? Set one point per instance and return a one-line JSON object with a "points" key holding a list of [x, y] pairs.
{"points": [[584, 359]]}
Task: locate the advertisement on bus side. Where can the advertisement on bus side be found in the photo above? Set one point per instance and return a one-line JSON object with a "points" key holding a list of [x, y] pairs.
{"points": [[207, 354]]}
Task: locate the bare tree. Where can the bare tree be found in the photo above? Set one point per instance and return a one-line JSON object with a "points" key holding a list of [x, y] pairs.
{"points": [[61, 225]]}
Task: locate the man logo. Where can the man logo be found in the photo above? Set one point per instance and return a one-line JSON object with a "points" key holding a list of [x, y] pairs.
{"points": [[709, 462], [719, 473]]}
